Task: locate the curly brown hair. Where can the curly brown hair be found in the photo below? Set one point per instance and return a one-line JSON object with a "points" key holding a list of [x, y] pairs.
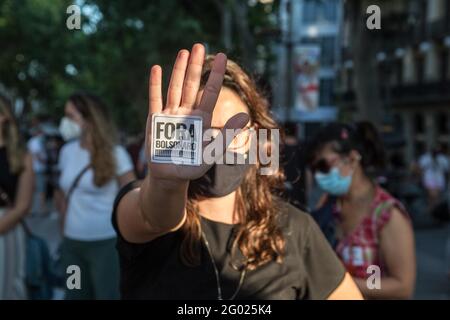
{"points": [[258, 236], [102, 135]]}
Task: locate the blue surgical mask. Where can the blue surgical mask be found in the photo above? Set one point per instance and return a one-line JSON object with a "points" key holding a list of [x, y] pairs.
{"points": [[333, 182]]}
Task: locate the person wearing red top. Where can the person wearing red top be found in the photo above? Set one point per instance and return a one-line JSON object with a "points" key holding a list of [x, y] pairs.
{"points": [[371, 230]]}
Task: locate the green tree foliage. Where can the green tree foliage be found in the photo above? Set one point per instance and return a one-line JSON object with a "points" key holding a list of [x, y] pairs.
{"points": [[42, 61]]}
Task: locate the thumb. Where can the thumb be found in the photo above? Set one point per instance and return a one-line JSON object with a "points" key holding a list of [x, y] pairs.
{"points": [[235, 123]]}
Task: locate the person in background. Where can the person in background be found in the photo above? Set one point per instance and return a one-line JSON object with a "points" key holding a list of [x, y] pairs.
{"points": [[52, 146], [36, 147], [16, 191], [370, 226], [434, 167], [101, 166]]}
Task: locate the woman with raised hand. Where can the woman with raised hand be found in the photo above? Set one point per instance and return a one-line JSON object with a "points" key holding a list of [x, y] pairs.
{"points": [[218, 231]]}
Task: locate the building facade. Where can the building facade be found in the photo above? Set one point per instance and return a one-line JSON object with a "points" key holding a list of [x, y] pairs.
{"points": [[307, 23], [414, 72]]}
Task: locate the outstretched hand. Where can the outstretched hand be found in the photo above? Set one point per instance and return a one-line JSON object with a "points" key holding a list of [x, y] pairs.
{"points": [[182, 94]]}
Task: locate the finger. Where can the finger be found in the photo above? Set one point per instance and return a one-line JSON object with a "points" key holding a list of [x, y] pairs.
{"points": [[147, 138], [238, 121], [214, 84], [155, 103], [193, 76], [176, 80]]}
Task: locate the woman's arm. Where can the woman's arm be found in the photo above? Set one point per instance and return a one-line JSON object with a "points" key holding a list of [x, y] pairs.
{"points": [[155, 208], [397, 249], [23, 199], [347, 290]]}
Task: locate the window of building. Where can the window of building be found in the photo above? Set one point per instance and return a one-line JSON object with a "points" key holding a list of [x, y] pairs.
{"points": [[445, 58], [330, 10], [327, 54], [310, 11], [447, 13], [326, 92], [442, 123], [349, 84], [419, 124], [398, 122], [315, 10], [433, 64], [420, 67]]}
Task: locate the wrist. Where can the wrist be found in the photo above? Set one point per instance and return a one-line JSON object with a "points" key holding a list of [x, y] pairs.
{"points": [[169, 185]]}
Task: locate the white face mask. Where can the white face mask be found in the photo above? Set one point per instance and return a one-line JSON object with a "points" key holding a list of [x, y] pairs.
{"points": [[69, 129]]}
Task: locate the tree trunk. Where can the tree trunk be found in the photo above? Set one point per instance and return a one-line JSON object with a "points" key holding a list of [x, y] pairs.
{"points": [[365, 46]]}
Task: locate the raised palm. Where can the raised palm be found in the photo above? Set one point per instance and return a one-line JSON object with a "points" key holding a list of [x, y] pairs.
{"points": [[181, 100]]}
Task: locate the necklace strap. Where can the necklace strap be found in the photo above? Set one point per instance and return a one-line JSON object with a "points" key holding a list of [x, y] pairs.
{"points": [[217, 275]]}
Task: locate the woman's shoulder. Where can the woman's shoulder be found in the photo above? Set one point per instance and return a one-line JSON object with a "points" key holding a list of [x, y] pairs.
{"points": [[294, 219], [383, 197], [385, 205], [70, 146]]}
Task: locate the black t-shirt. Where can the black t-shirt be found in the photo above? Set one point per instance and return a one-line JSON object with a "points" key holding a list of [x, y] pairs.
{"points": [[8, 180], [154, 270]]}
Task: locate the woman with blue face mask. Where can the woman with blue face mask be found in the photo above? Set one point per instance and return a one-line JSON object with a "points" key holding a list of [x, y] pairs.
{"points": [[368, 228]]}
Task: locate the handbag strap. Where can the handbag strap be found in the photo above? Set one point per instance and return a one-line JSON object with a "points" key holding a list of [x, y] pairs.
{"points": [[75, 182]]}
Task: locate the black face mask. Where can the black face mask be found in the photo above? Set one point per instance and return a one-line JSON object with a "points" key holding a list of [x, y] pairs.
{"points": [[219, 181]]}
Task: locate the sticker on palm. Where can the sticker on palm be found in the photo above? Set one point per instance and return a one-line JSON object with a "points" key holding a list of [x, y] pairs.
{"points": [[176, 139]]}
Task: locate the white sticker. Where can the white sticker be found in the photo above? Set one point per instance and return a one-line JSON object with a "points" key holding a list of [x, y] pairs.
{"points": [[177, 139], [346, 254], [358, 259]]}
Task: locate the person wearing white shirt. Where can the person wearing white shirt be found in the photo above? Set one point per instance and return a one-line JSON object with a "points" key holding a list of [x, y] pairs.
{"points": [[36, 147], [434, 167], [100, 166]]}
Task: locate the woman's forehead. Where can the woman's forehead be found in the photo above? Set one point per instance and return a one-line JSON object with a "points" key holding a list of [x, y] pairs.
{"points": [[327, 151]]}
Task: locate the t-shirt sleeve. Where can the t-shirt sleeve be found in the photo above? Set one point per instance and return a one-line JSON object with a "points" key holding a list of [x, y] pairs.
{"points": [[123, 161], [126, 249], [324, 270]]}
